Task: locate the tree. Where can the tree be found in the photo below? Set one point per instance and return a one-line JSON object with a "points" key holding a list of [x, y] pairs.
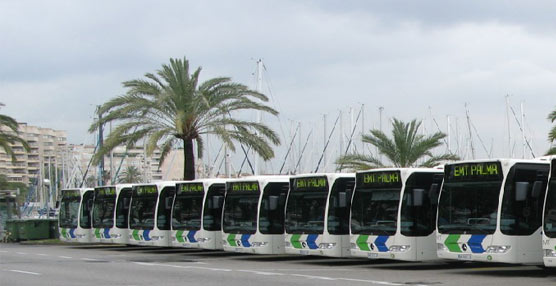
{"points": [[552, 133], [404, 149], [130, 175], [9, 130], [171, 107]]}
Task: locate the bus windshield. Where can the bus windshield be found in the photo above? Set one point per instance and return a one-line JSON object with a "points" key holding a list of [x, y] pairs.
{"points": [[141, 215], [550, 209], [375, 211], [306, 205], [69, 211], [469, 207], [271, 220], [122, 208], [103, 212], [240, 212], [186, 214]]}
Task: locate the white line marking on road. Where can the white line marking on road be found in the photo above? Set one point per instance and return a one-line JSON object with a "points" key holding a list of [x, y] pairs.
{"points": [[144, 263], [262, 272], [314, 277], [24, 272], [22, 253], [90, 259], [372, 281], [41, 254], [66, 257], [3, 251]]}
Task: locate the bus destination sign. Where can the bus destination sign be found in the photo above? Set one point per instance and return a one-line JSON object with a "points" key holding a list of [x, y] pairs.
{"points": [[480, 171], [146, 191], [190, 187], [244, 186], [379, 179], [310, 184]]}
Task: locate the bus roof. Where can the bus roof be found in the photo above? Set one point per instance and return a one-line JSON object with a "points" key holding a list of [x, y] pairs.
{"points": [[262, 179], [329, 176], [438, 169], [504, 161]]}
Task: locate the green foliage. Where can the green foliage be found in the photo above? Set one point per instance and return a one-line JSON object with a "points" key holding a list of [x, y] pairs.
{"points": [[11, 136], [130, 175], [552, 133], [404, 149], [171, 107]]}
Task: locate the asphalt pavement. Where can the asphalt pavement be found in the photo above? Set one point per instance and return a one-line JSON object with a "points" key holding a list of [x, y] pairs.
{"points": [[120, 265]]}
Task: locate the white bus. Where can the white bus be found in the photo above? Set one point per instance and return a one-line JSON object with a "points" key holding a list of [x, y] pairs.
{"points": [[393, 214], [491, 210], [549, 219], [253, 216], [150, 213], [110, 214], [317, 214], [74, 219], [197, 214]]}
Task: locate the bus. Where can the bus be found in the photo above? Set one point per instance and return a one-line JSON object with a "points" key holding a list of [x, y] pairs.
{"points": [[253, 216], [150, 213], [197, 214], [74, 218], [549, 219], [393, 213], [110, 214], [491, 211], [317, 214]]}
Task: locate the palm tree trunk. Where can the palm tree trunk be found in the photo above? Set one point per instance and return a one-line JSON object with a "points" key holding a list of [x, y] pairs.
{"points": [[189, 160]]}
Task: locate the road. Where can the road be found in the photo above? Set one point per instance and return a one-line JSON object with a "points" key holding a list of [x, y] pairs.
{"points": [[117, 265]]}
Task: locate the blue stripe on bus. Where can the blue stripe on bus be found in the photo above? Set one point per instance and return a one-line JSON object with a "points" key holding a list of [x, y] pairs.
{"points": [[380, 243], [106, 233], [475, 243], [311, 241], [71, 233], [146, 234], [191, 236], [245, 240]]}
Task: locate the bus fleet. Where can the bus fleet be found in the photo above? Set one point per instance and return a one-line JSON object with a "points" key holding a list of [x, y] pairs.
{"points": [[501, 210]]}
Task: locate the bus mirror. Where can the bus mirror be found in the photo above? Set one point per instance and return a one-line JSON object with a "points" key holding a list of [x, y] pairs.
{"points": [[273, 203], [126, 203], [433, 193], [57, 204], [89, 205], [342, 197], [418, 197], [521, 190], [537, 189]]}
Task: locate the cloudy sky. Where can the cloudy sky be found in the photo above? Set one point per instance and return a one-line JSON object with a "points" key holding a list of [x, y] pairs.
{"points": [[417, 59]]}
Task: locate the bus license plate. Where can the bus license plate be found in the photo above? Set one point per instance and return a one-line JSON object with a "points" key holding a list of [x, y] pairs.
{"points": [[464, 256], [304, 252], [373, 255]]}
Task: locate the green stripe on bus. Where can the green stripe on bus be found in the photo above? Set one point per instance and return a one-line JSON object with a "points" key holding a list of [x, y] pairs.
{"points": [[232, 240], [97, 232], [452, 243], [135, 234], [295, 241], [179, 236], [64, 232], [362, 242]]}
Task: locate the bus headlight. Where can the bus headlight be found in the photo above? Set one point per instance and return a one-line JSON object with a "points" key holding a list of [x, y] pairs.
{"points": [[259, 244], [441, 247], [203, 239], [326, 245], [288, 244], [399, 248], [353, 245], [549, 253], [80, 235], [115, 235], [224, 242], [498, 249]]}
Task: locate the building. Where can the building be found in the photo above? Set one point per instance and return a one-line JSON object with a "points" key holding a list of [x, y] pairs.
{"points": [[46, 149]]}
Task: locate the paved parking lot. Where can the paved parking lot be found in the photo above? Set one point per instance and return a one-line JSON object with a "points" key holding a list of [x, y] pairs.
{"points": [[120, 265]]}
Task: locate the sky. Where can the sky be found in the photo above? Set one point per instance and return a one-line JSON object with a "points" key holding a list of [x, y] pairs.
{"points": [[430, 60]]}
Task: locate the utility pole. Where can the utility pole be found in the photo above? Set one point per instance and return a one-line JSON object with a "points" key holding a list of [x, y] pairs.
{"points": [[259, 114]]}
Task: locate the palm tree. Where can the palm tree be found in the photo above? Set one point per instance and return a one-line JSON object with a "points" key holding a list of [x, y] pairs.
{"points": [[130, 175], [552, 133], [170, 108], [404, 149], [9, 130]]}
